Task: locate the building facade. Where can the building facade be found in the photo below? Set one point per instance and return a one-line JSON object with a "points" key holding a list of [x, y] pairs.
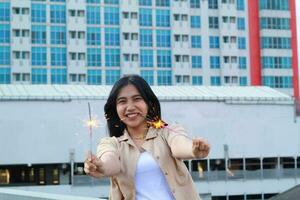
{"points": [[179, 42]]}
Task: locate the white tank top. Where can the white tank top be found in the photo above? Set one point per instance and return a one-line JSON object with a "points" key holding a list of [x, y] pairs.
{"points": [[150, 182]]}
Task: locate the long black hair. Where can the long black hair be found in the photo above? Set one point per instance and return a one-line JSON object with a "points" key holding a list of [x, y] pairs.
{"points": [[115, 125]]}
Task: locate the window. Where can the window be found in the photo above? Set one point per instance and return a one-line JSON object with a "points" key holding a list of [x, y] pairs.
{"points": [[162, 18], [111, 15], [162, 3], [164, 77], [38, 12], [146, 37], [4, 33], [197, 80], [58, 13], [145, 2], [146, 57], [275, 23], [93, 36], [145, 17], [39, 56], [38, 34], [241, 23], [196, 41], [4, 74], [214, 42], [93, 15], [58, 35], [39, 76], [214, 62], [274, 4], [195, 21], [213, 22], [115, 2], [163, 38], [243, 81], [4, 55], [240, 5], [93, 1], [111, 76], [215, 80], [94, 77], [112, 57], [58, 56], [164, 59], [242, 63], [196, 61], [213, 4], [241, 43], [278, 81], [195, 3], [94, 57], [276, 42], [112, 37], [148, 76], [58, 76], [277, 62]]}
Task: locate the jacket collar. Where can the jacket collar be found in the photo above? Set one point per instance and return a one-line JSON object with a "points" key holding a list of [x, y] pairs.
{"points": [[152, 133]]}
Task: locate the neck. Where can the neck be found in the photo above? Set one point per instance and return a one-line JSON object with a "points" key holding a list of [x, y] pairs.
{"points": [[137, 131]]}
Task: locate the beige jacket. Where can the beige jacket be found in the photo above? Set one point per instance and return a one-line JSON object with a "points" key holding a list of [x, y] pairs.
{"points": [[167, 146]]}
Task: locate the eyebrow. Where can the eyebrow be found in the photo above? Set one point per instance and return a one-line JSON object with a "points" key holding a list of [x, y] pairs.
{"points": [[133, 96]]}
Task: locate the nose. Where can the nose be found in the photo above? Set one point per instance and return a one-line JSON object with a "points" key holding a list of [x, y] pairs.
{"points": [[130, 107]]}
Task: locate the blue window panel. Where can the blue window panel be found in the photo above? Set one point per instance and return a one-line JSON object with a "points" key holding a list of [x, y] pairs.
{"points": [[38, 34], [94, 57], [146, 58], [276, 42], [94, 77], [213, 4], [195, 22], [4, 11], [164, 59], [162, 3], [148, 75], [111, 76], [241, 43], [195, 3], [242, 63], [111, 16], [59, 76], [39, 56], [214, 62], [57, 0], [93, 1], [274, 4], [39, 76], [5, 76], [145, 17], [93, 36], [38, 12], [146, 38], [4, 33], [275, 23], [58, 34], [196, 61], [196, 41], [214, 42], [241, 23], [243, 81], [277, 62], [278, 81], [215, 80], [58, 56], [145, 2], [163, 38], [112, 36], [240, 4], [112, 57], [4, 55], [58, 14], [114, 2], [93, 15], [197, 80], [163, 18], [164, 77]]}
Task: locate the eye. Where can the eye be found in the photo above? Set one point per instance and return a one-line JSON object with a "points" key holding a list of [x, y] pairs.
{"points": [[121, 101], [138, 98]]}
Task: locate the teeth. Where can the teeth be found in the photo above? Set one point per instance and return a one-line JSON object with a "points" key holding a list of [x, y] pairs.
{"points": [[131, 115]]}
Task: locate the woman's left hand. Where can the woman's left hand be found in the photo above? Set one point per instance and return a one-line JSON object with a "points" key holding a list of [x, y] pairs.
{"points": [[200, 148]]}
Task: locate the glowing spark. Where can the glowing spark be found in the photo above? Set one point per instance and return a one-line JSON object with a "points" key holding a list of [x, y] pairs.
{"points": [[156, 123], [93, 123], [200, 170]]}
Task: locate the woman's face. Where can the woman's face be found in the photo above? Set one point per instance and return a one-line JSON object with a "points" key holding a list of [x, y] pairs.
{"points": [[131, 107]]}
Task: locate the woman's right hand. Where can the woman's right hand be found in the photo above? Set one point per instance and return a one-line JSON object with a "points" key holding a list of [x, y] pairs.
{"points": [[93, 166]]}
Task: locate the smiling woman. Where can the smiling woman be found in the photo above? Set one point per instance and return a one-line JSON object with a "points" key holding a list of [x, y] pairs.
{"points": [[143, 161]]}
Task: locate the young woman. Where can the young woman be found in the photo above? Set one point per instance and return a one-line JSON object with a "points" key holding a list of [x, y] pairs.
{"points": [[143, 162]]}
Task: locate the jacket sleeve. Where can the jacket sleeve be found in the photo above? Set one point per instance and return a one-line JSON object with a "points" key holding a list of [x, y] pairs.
{"points": [[107, 152], [179, 142]]}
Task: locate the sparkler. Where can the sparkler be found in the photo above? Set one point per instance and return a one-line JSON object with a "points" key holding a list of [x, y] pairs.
{"points": [[91, 123]]}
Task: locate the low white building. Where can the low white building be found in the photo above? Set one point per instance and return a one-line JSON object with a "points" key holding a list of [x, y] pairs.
{"points": [[253, 132]]}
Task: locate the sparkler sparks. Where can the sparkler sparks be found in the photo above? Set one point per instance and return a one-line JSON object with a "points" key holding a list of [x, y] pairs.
{"points": [[91, 123]]}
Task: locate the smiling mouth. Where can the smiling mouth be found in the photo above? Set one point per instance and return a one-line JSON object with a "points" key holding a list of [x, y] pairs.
{"points": [[132, 115]]}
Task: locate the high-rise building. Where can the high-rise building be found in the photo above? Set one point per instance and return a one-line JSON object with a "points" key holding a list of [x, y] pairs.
{"points": [[168, 42]]}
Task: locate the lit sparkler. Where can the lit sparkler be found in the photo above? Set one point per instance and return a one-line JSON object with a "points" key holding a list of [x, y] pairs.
{"points": [[91, 123]]}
